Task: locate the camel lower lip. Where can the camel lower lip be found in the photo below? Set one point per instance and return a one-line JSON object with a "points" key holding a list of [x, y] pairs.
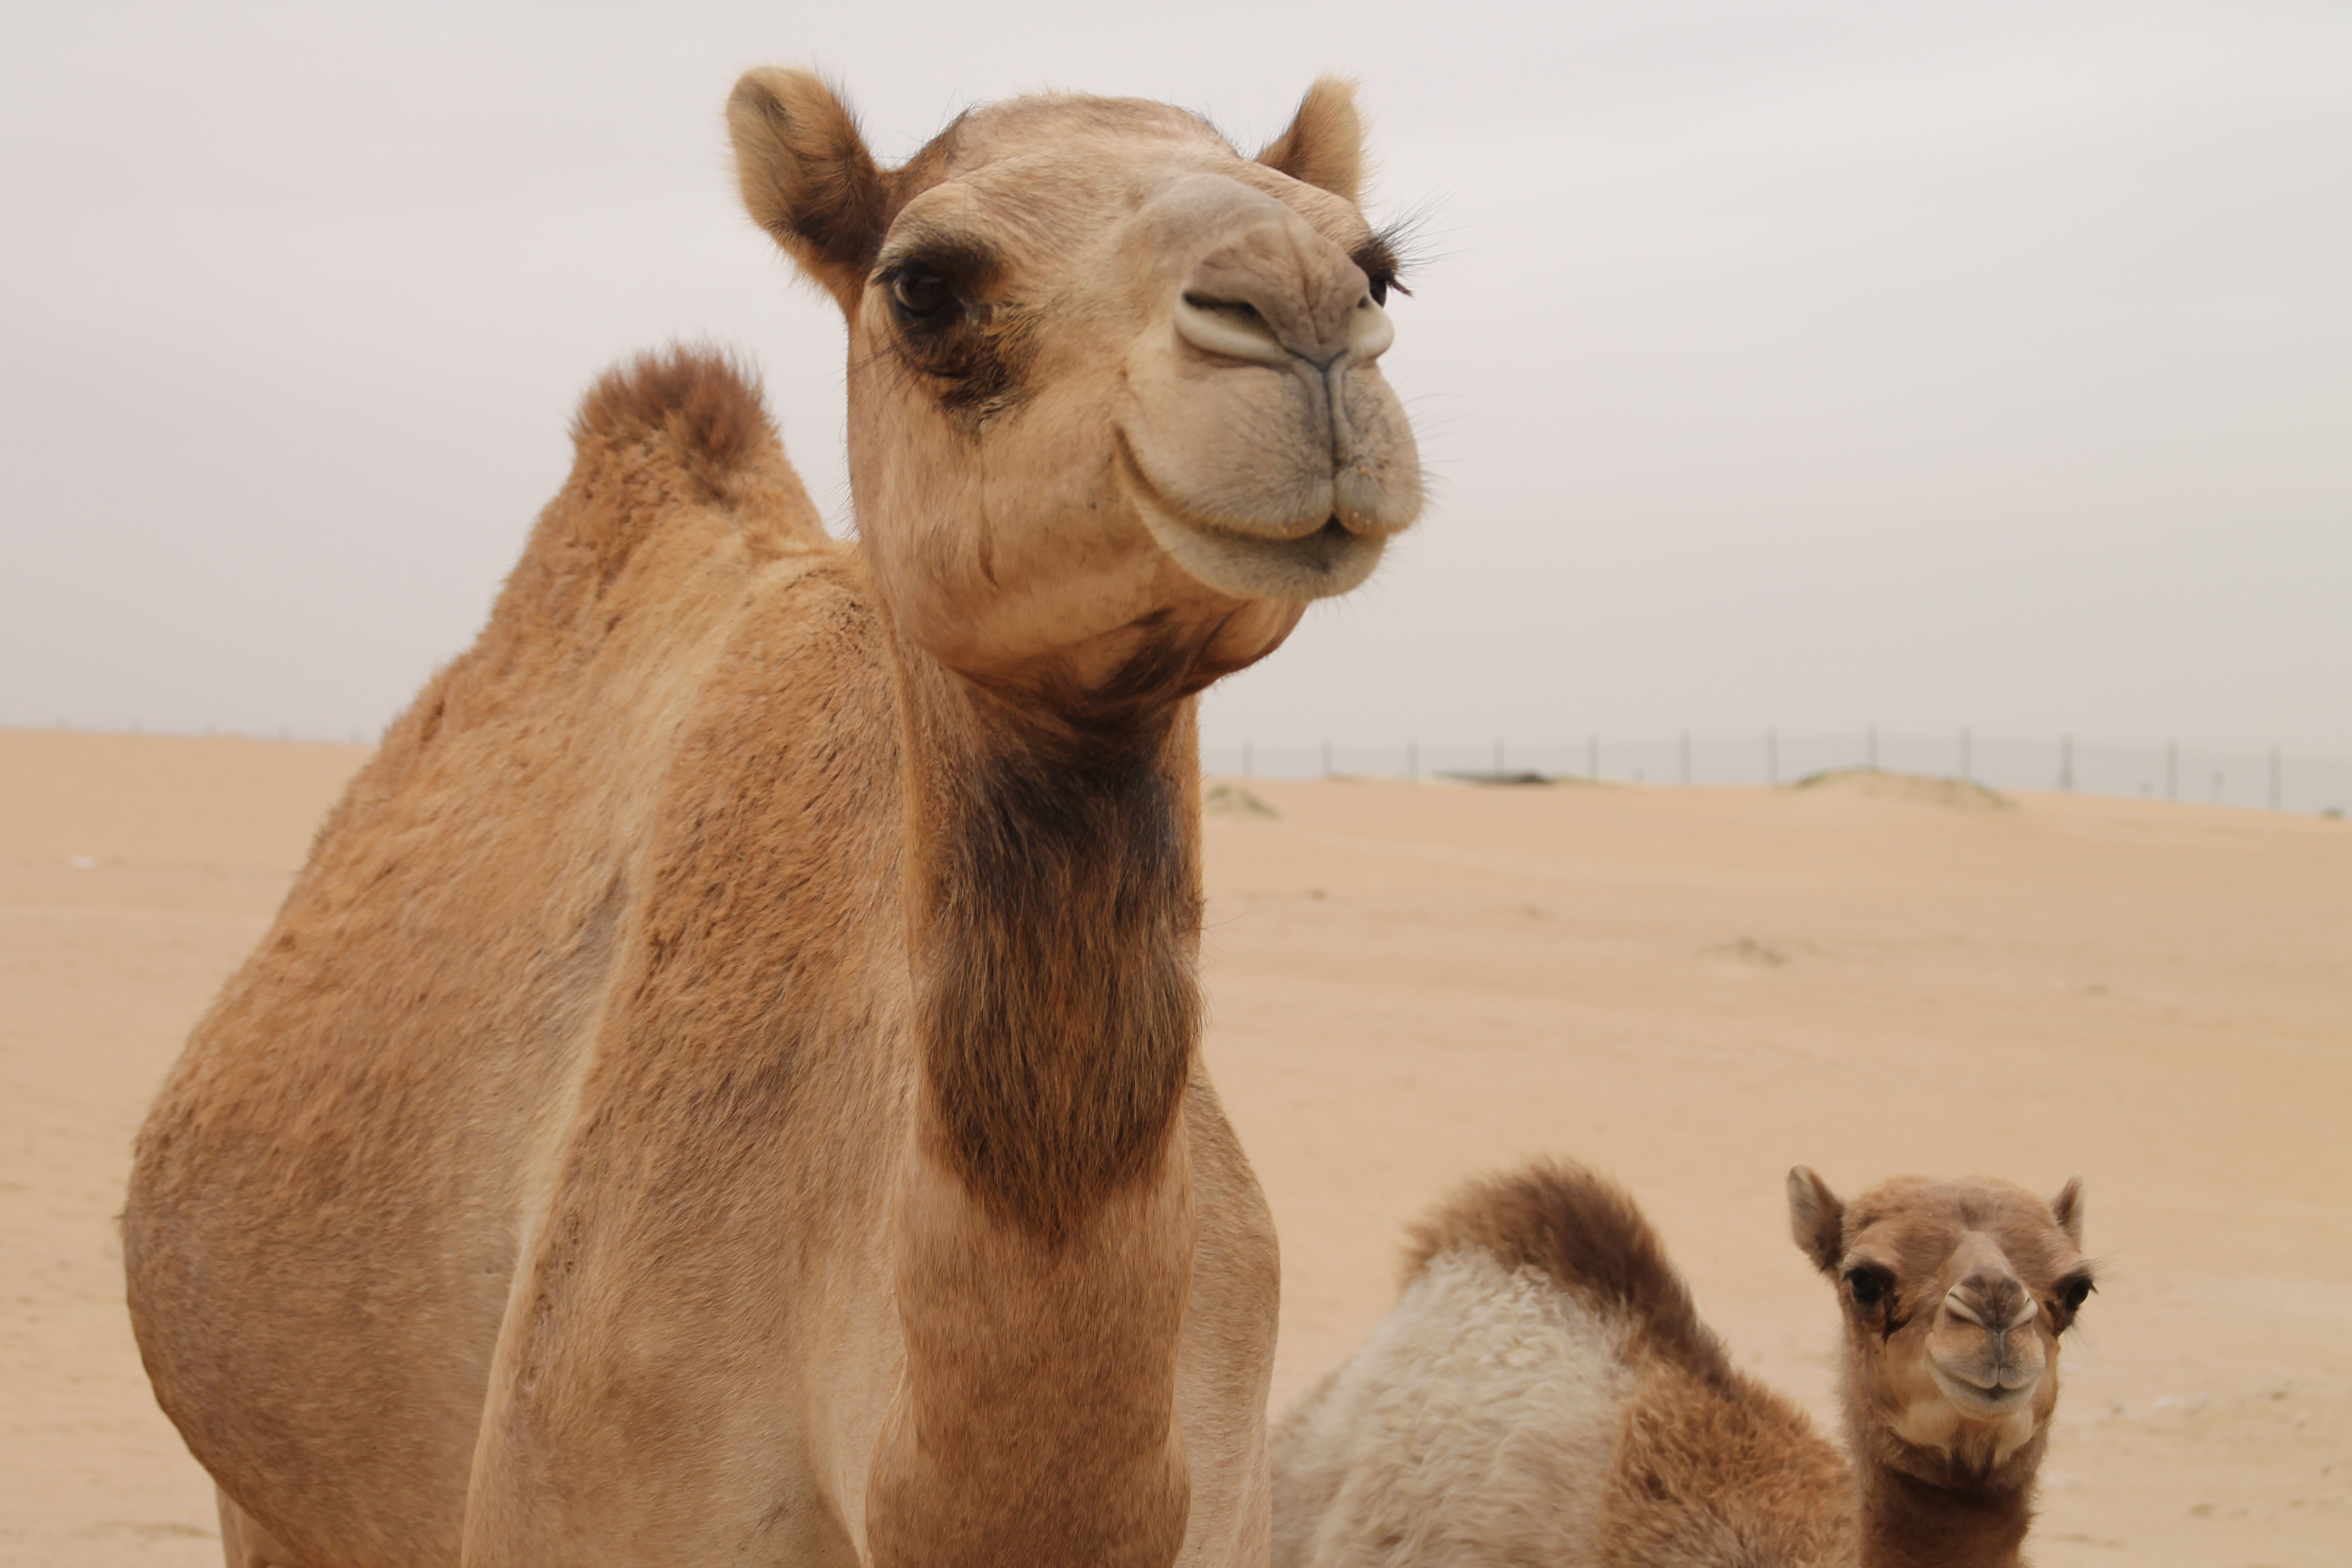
{"points": [[1313, 565], [1973, 1400]]}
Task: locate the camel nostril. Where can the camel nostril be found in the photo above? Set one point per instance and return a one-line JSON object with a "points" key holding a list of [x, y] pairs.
{"points": [[1995, 1303], [1233, 329], [1241, 308]]}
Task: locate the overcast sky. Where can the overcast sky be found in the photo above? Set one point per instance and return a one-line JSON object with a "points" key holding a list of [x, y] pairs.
{"points": [[1779, 364]]}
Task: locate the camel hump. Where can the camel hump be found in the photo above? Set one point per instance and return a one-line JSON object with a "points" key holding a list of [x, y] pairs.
{"points": [[698, 402], [1588, 1235], [688, 424], [677, 472]]}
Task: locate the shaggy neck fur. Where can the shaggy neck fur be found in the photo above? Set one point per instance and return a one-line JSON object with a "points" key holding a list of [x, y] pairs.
{"points": [[1943, 1520], [1906, 1522], [1055, 901], [1046, 1228]]}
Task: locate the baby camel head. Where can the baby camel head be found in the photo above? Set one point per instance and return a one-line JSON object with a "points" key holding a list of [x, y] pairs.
{"points": [[1115, 410], [1955, 1295]]}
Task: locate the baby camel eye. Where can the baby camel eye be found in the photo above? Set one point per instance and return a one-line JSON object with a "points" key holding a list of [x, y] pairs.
{"points": [[2074, 1292], [1868, 1285], [920, 294]]}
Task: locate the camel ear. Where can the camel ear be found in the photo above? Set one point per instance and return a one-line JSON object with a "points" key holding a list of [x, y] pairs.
{"points": [[1816, 1218], [1325, 144], [807, 177], [2066, 1208]]}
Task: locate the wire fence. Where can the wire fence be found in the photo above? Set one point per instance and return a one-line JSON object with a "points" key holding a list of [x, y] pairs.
{"points": [[2271, 778]]}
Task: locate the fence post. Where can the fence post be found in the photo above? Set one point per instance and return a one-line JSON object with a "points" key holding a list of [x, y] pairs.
{"points": [[2172, 770]]}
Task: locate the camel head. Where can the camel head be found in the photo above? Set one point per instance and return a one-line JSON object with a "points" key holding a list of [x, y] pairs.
{"points": [[1115, 410], [1955, 1295]]}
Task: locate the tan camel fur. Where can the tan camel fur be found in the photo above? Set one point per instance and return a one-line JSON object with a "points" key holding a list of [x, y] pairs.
{"points": [[1545, 1394], [725, 1087]]}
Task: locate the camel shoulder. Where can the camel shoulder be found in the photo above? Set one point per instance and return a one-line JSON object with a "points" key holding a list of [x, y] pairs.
{"points": [[1585, 1234], [1703, 1463]]}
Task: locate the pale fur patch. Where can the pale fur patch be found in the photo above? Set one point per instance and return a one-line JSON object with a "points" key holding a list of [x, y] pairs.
{"points": [[1929, 1423], [1476, 1426], [1933, 1424]]}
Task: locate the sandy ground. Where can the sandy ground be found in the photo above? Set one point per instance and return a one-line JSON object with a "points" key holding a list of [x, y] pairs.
{"points": [[1692, 989]]}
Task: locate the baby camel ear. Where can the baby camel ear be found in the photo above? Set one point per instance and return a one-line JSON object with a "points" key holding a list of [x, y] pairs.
{"points": [[1816, 1218], [2066, 1208], [807, 177], [1325, 144]]}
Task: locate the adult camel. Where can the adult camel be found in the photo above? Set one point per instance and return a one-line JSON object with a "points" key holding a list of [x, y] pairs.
{"points": [[726, 1087]]}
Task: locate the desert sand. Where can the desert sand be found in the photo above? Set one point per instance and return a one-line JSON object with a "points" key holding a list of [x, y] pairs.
{"points": [[1692, 989]]}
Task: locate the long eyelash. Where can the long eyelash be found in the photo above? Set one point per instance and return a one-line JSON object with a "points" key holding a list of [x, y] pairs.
{"points": [[1402, 242]]}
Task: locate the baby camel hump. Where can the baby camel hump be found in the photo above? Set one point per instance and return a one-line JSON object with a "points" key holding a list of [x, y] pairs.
{"points": [[1545, 1392]]}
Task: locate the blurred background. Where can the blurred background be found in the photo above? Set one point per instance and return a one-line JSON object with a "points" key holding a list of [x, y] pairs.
{"points": [[1783, 370]]}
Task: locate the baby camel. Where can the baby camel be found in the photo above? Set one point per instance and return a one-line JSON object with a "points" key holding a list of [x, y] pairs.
{"points": [[1545, 1392]]}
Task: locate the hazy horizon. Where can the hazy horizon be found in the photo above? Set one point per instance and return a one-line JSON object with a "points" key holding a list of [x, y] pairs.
{"points": [[1943, 367]]}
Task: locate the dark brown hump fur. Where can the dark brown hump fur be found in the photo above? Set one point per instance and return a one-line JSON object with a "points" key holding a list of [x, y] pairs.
{"points": [[675, 469], [701, 400], [1586, 1233]]}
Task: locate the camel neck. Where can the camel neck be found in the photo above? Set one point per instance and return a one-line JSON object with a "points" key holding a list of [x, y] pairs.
{"points": [[1906, 1522], [1044, 1232], [1054, 904]]}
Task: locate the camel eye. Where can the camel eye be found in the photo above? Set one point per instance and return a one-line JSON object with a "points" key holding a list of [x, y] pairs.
{"points": [[1869, 1285], [1381, 267], [918, 294], [2074, 1292]]}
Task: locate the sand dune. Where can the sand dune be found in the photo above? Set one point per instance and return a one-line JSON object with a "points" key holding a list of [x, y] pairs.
{"points": [[1692, 989]]}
